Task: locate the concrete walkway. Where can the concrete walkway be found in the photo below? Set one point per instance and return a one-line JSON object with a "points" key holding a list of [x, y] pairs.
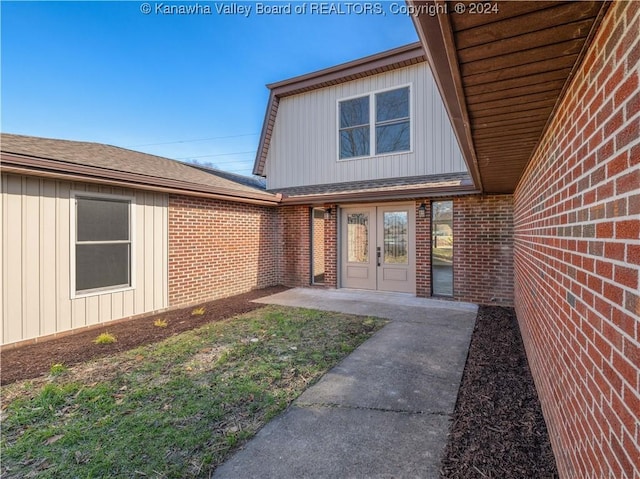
{"points": [[384, 411]]}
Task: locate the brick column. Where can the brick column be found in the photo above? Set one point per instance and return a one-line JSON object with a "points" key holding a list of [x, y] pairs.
{"points": [[423, 250]]}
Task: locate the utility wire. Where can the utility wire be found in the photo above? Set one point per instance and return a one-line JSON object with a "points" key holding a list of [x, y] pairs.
{"points": [[191, 141], [217, 155]]}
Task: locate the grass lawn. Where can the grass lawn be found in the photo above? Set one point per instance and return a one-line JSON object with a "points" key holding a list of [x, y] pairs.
{"points": [[176, 408]]}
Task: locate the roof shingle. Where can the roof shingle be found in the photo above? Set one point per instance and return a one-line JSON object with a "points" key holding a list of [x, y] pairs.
{"points": [[154, 170]]}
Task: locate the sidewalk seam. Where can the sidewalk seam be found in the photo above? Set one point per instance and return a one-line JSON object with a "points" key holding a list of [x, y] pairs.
{"points": [[364, 408]]}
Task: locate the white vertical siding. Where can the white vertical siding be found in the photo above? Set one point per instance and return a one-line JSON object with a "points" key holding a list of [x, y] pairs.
{"points": [[304, 150], [36, 244]]}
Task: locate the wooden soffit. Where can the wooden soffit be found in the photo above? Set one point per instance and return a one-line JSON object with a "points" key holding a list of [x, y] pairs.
{"points": [[502, 68]]}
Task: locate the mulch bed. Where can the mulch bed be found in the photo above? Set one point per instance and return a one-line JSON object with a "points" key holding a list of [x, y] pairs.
{"points": [[498, 430], [34, 360]]}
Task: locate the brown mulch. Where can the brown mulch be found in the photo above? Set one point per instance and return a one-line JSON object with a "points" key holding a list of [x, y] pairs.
{"points": [[34, 360], [498, 430]]}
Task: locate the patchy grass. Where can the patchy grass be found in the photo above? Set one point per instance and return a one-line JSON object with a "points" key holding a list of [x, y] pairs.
{"points": [[105, 338], [176, 408], [57, 369]]}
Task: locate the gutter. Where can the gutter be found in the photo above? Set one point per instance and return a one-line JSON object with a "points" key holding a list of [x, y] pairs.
{"points": [[19, 164]]}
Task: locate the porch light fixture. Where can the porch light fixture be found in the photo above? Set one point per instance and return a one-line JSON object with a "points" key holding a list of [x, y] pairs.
{"points": [[422, 210], [327, 214]]}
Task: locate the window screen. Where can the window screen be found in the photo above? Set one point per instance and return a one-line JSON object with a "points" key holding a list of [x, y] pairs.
{"points": [[103, 243]]}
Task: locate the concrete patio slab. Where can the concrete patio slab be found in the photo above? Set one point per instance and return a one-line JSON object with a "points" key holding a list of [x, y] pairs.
{"points": [[382, 304], [384, 411]]}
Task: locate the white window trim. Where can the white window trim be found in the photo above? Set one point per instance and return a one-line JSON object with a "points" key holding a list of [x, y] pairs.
{"points": [[72, 243], [372, 123]]}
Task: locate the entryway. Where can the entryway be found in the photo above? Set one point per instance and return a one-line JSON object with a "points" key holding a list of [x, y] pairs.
{"points": [[378, 248]]}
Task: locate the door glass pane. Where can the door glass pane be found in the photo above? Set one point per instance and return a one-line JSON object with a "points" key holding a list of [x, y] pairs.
{"points": [[442, 248], [358, 238], [396, 237]]}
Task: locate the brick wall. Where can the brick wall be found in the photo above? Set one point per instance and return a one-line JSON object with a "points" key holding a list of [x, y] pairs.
{"points": [[577, 259], [423, 250], [331, 248], [219, 249], [295, 245], [318, 242], [483, 249]]}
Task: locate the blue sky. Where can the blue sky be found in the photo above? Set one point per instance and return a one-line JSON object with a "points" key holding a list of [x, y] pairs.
{"points": [[106, 72]]}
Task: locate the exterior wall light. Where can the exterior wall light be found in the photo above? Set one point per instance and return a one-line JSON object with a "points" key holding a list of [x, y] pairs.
{"points": [[422, 210], [327, 214]]}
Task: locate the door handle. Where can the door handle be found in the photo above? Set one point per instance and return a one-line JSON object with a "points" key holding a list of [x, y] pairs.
{"points": [[378, 254]]}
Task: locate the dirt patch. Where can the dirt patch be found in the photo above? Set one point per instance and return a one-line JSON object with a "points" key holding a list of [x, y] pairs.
{"points": [[498, 430], [33, 360]]}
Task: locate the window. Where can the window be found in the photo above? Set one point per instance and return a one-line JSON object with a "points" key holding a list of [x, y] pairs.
{"points": [[442, 248], [392, 124], [392, 121], [102, 243], [354, 128]]}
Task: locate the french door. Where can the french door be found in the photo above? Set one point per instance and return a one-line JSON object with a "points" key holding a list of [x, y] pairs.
{"points": [[378, 248]]}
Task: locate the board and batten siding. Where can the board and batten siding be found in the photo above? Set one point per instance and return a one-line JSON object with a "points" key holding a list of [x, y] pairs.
{"points": [[36, 263], [304, 144]]}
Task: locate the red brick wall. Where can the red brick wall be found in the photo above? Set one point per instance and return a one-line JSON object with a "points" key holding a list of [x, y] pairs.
{"points": [[577, 259], [296, 245], [483, 249], [219, 249], [331, 248], [423, 250], [318, 242]]}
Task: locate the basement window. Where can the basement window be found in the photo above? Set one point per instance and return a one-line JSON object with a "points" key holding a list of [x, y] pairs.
{"points": [[102, 249]]}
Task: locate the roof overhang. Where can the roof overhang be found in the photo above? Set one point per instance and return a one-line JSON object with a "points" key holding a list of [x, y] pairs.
{"points": [[502, 74], [48, 168], [378, 196], [380, 190]]}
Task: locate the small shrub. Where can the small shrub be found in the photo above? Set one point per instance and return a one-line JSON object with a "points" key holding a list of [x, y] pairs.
{"points": [[198, 312], [160, 323], [105, 338], [58, 369]]}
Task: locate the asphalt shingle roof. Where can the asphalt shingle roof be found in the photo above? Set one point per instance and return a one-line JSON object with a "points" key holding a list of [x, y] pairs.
{"points": [[121, 160], [444, 181]]}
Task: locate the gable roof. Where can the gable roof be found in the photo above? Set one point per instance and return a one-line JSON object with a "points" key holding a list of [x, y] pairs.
{"points": [[372, 65], [502, 74], [99, 163]]}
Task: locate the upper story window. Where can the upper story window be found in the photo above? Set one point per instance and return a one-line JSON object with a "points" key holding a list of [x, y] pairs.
{"points": [[391, 131], [102, 243]]}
